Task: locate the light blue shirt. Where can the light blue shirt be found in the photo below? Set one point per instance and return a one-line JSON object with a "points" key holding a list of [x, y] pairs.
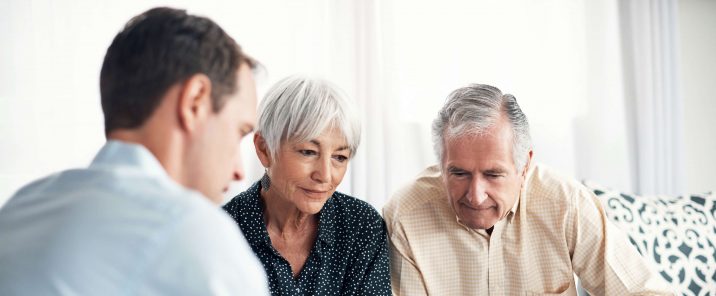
{"points": [[121, 227]]}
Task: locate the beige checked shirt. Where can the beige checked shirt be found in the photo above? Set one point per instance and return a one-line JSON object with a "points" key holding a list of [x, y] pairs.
{"points": [[557, 228]]}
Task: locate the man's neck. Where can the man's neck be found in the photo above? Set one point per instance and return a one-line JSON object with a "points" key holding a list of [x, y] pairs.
{"points": [[162, 147]]}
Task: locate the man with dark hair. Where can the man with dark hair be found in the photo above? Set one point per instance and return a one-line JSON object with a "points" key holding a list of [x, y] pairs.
{"points": [[178, 95]]}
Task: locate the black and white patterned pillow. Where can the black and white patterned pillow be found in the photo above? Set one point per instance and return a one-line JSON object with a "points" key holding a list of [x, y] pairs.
{"points": [[678, 234]]}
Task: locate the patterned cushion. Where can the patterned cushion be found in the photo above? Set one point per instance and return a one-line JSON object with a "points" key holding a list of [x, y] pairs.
{"points": [[678, 234]]}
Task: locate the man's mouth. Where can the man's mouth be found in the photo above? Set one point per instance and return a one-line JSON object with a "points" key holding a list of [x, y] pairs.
{"points": [[478, 208]]}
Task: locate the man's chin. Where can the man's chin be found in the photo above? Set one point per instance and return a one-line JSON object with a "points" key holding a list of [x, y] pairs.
{"points": [[481, 226], [212, 194], [478, 223], [216, 197]]}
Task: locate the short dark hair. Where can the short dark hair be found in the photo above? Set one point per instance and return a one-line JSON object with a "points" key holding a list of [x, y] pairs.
{"points": [[157, 49]]}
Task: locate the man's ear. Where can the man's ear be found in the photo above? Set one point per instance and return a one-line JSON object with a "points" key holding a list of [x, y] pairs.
{"points": [[194, 101], [527, 164], [262, 150]]}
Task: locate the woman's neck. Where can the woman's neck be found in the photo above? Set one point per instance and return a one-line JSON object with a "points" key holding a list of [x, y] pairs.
{"points": [[284, 217]]}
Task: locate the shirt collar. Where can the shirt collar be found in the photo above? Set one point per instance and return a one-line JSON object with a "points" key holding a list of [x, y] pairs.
{"points": [[120, 155], [327, 221], [513, 211], [254, 212], [523, 193]]}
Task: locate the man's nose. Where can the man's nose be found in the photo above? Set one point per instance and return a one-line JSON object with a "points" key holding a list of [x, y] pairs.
{"points": [[477, 193]]}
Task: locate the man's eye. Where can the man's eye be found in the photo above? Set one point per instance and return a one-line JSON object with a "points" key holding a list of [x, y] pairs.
{"points": [[243, 132]]}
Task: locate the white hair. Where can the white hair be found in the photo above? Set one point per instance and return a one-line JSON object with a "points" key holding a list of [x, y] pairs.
{"points": [[473, 109], [300, 108]]}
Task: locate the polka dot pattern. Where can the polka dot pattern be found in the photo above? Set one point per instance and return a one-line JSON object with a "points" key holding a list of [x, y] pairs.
{"points": [[349, 257]]}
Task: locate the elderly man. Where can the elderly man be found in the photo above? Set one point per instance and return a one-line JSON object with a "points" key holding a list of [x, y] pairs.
{"points": [[143, 219], [486, 220]]}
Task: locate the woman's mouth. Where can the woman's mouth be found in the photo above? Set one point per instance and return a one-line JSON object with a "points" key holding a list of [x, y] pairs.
{"points": [[317, 194]]}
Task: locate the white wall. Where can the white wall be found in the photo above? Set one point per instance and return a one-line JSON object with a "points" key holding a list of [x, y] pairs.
{"points": [[51, 53], [561, 58], [698, 56]]}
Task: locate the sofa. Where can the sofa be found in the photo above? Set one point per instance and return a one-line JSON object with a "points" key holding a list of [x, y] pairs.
{"points": [[677, 235]]}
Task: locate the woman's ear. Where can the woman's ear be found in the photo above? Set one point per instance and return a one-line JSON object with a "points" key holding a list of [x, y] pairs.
{"points": [[262, 150], [194, 102]]}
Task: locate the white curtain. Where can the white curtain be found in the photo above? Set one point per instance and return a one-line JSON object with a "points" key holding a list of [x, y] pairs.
{"points": [[374, 162], [398, 58], [561, 58], [655, 107]]}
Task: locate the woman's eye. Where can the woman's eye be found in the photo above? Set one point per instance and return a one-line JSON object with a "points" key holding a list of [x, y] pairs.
{"points": [[306, 152], [340, 158]]}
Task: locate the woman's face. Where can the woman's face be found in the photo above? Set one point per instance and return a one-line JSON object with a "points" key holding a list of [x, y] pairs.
{"points": [[307, 173]]}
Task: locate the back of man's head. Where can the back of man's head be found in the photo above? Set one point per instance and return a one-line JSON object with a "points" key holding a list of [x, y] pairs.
{"points": [[157, 49]]}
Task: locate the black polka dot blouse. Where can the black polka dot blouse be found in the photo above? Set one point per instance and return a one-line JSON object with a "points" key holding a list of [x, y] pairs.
{"points": [[349, 257]]}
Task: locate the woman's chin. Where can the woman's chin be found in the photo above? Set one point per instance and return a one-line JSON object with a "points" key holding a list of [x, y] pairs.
{"points": [[311, 207]]}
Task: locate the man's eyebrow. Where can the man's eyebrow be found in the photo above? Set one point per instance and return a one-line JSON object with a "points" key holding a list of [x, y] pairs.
{"points": [[495, 170], [454, 169]]}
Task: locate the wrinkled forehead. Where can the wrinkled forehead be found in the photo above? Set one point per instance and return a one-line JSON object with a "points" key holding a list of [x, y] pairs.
{"points": [[498, 129], [331, 131], [494, 143]]}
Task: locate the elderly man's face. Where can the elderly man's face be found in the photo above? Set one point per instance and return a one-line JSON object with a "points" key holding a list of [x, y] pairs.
{"points": [[480, 176]]}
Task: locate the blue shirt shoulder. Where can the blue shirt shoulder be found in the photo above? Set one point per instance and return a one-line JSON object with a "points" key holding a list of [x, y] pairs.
{"points": [[120, 226]]}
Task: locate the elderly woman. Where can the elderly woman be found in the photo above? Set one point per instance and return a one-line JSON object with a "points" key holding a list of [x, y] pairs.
{"points": [[311, 239]]}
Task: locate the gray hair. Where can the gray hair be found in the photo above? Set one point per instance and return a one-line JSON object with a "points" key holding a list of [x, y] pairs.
{"points": [[299, 108], [472, 110]]}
